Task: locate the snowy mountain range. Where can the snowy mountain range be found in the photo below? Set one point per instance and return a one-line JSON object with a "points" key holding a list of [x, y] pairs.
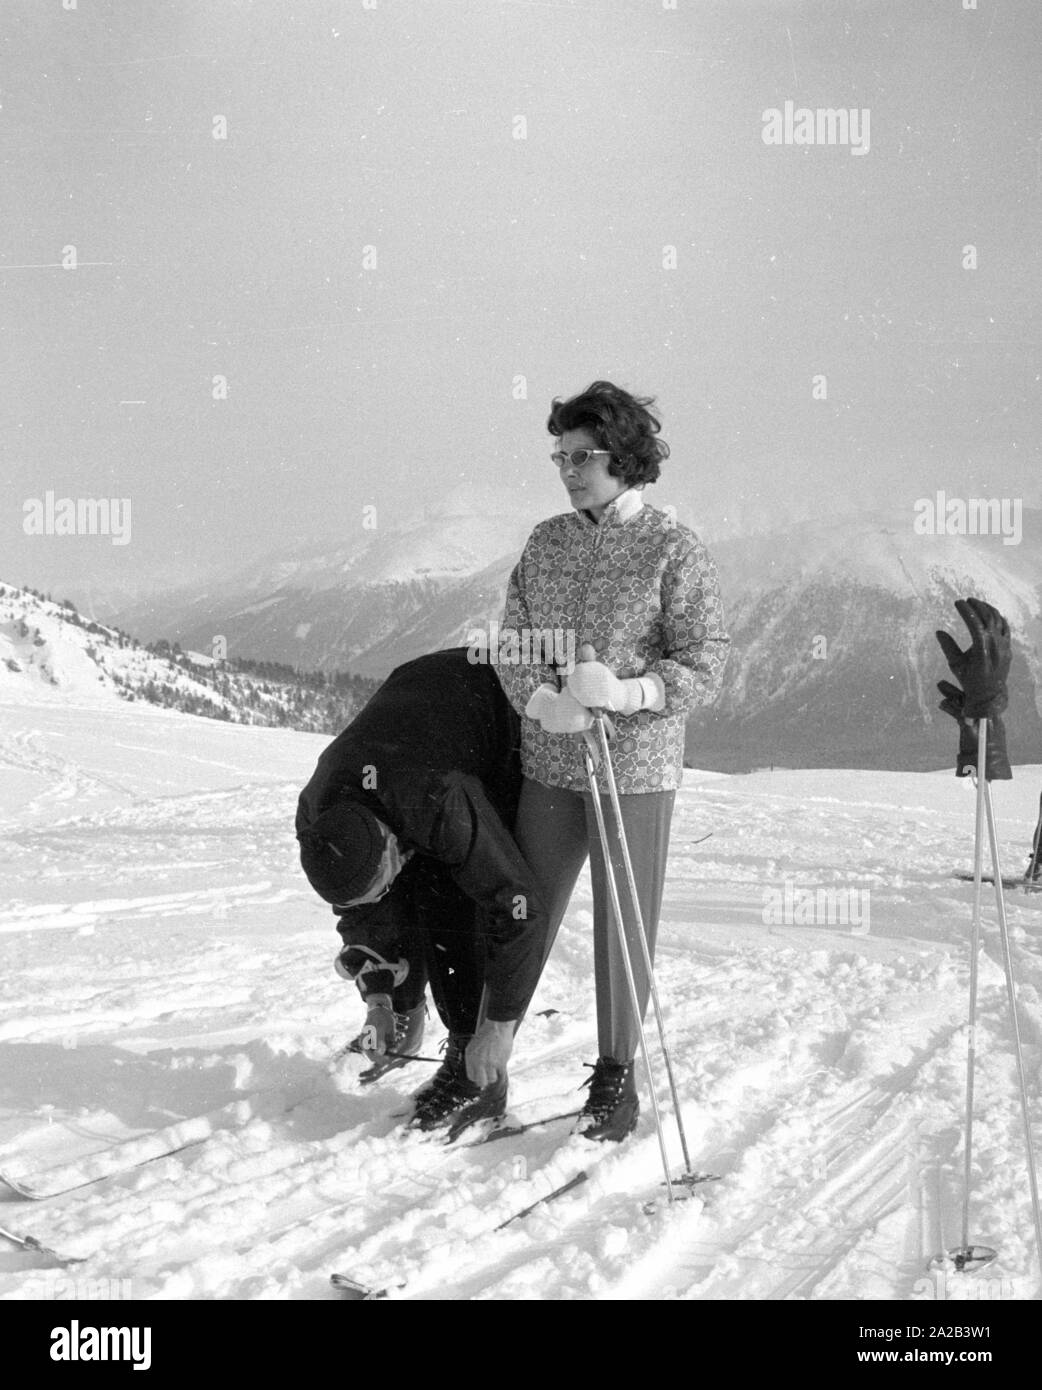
{"points": [[364, 604], [834, 662]]}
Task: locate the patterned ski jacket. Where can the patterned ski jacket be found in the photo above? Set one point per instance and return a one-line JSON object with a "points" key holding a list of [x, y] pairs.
{"points": [[644, 591]]}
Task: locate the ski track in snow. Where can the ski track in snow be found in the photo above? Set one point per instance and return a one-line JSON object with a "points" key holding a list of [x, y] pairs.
{"points": [[165, 967]]}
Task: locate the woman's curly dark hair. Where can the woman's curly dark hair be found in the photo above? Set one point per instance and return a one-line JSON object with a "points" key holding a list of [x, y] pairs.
{"points": [[619, 422]]}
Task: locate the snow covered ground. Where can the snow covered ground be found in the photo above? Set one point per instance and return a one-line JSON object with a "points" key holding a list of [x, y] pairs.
{"points": [[164, 963]]}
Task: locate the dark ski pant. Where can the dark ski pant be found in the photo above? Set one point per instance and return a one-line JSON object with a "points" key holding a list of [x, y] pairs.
{"points": [[556, 830], [445, 949]]}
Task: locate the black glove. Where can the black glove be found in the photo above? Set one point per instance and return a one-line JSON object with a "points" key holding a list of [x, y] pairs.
{"points": [[996, 761], [984, 666]]}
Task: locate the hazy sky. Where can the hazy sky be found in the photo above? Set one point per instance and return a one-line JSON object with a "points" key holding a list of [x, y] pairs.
{"points": [[394, 127]]}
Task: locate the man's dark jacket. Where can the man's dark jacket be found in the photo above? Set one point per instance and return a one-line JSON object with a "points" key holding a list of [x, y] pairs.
{"points": [[434, 754]]}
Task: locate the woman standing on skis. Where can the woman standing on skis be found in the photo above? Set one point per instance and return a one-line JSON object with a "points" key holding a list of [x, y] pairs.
{"points": [[642, 590]]}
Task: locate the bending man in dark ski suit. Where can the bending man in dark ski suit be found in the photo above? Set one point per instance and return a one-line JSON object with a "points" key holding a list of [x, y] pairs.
{"points": [[405, 829]]}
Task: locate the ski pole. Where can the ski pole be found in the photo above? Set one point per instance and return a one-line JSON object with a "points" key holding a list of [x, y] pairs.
{"points": [[613, 792], [978, 887], [613, 890], [1007, 960]]}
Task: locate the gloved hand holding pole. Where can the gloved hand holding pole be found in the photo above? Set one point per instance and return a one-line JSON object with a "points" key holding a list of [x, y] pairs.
{"points": [[598, 688], [996, 759]]}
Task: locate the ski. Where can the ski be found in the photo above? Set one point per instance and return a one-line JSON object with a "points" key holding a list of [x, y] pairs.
{"points": [[381, 1068], [359, 1293], [108, 1163], [1007, 882], [352, 1049], [362, 1293], [580, 1177], [126, 1155], [512, 1127], [129, 1154], [38, 1248]]}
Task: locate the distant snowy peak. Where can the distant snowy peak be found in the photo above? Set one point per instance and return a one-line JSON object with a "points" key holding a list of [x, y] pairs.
{"points": [[443, 545], [834, 658], [328, 606], [880, 552], [448, 547]]}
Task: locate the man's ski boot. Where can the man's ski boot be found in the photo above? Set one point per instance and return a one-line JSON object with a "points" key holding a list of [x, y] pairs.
{"points": [[450, 1098], [612, 1108]]}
